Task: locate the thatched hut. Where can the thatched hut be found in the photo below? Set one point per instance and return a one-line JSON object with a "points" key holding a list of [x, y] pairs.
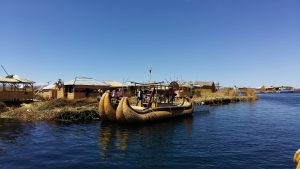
{"points": [[185, 89], [49, 92], [81, 87], [204, 87], [15, 88]]}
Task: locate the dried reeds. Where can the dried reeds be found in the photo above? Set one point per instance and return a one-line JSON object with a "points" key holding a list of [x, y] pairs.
{"points": [[60, 109], [3, 107], [225, 96]]}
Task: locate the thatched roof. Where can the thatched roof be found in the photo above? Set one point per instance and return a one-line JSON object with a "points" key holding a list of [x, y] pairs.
{"points": [[85, 81], [201, 84], [186, 84], [49, 87], [112, 83], [14, 79], [130, 83]]}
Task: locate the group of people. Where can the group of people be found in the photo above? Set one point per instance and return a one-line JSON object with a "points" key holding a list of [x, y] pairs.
{"points": [[170, 95], [117, 94], [141, 96], [167, 97]]}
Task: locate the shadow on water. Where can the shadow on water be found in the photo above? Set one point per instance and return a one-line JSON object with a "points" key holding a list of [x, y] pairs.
{"points": [[114, 136]]}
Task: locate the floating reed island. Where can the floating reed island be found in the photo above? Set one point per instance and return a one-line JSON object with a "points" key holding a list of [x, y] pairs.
{"points": [[76, 100], [54, 110], [86, 109], [225, 96]]}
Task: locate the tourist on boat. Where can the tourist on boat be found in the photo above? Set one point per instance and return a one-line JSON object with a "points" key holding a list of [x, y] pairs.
{"points": [[119, 94], [113, 94], [170, 95], [140, 96]]}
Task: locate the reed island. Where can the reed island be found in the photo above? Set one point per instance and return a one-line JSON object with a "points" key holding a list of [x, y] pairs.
{"points": [[79, 99]]}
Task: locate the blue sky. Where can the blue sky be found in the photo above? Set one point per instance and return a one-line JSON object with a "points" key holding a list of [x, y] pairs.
{"points": [[234, 42]]}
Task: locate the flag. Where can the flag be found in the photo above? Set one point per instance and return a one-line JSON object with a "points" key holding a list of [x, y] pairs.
{"points": [[150, 70]]}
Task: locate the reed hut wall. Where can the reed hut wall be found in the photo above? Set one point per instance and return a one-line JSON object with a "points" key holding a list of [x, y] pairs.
{"points": [[16, 95], [83, 91], [184, 92], [49, 94], [60, 93], [227, 92]]}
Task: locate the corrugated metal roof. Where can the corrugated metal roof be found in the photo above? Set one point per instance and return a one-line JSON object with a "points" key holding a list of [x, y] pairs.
{"points": [[86, 81], [14, 79]]}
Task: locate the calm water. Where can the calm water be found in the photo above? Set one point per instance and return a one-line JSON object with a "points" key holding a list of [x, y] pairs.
{"points": [[264, 134]]}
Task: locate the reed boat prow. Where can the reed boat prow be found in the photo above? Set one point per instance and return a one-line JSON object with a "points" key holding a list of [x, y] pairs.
{"points": [[106, 109], [297, 158]]}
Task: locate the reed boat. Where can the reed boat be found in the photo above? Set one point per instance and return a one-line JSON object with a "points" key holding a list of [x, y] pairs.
{"points": [[107, 110], [130, 114], [297, 158]]}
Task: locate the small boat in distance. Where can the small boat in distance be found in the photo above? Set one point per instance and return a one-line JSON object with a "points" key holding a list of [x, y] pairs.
{"points": [[133, 114], [286, 89]]}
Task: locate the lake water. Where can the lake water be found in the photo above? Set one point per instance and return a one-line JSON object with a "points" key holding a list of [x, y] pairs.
{"points": [[262, 134]]}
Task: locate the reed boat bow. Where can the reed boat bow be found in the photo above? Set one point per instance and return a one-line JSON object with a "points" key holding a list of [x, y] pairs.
{"points": [[297, 158], [106, 108]]}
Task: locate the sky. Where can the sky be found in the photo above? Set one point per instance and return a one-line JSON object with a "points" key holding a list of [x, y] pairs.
{"points": [[245, 43]]}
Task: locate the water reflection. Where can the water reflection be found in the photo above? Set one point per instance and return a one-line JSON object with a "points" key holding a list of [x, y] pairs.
{"points": [[115, 139], [111, 137], [13, 133], [12, 130]]}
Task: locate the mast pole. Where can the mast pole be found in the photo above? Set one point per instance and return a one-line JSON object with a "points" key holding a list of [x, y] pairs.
{"points": [[4, 70]]}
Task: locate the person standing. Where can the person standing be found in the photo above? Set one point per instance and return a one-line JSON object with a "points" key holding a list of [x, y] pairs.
{"points": [[139, 96], [113, 94]]}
